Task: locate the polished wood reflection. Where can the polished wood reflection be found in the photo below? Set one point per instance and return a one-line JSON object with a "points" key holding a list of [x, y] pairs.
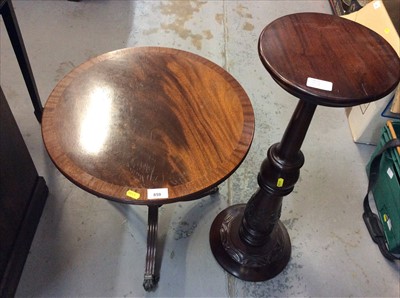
{"points": [[145, 118], [357, 61]]}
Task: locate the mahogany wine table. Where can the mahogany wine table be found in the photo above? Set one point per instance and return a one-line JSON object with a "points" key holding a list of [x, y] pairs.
{"points": [[322, 60], [148, 126]]}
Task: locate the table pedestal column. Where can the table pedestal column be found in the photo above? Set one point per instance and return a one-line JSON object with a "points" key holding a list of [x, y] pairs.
{"points": [[248, 240]]}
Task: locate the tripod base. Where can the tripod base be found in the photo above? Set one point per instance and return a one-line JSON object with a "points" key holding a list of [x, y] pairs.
{"points": [[250, 263]]}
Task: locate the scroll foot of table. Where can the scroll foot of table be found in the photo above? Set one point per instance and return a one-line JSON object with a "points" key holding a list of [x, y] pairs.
{"points": [[251, 263], [150, 282], [150, 276]]}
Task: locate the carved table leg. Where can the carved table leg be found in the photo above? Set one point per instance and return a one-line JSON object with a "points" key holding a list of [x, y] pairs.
{"points": [[150, 276], [249, 241]]}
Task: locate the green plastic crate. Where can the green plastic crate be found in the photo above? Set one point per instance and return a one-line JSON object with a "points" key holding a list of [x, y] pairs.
{"points": [[387, 188]]}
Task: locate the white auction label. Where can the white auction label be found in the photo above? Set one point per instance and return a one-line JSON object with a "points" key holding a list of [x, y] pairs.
{"points": [[319, 84], [157, 193], [377, 4]]}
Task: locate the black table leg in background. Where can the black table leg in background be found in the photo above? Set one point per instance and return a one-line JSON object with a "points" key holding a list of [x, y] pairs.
{"points": [[11, 24]]}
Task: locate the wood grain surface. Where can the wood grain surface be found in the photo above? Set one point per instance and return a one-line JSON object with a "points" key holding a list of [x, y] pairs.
{"points": [[148, 118], [359, 63]]}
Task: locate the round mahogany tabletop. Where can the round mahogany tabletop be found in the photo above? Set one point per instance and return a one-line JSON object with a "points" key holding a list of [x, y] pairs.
{"points": [[148, 125], [328, 60]]}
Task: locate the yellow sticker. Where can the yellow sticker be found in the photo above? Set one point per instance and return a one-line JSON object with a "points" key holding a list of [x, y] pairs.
{"points": [[133, 194], [279, 183]]}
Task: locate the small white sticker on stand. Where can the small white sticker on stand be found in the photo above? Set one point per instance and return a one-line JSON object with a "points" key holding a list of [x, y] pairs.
{"points": [[157, 193], [319, 84], [377, 4]]}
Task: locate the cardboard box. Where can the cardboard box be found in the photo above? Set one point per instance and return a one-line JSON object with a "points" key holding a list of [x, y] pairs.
{"points": [[375, 16], [366, 120], [396, 102]]}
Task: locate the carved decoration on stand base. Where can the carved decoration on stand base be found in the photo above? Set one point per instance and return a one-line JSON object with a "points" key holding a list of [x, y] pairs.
{"points": [[253, 263]]}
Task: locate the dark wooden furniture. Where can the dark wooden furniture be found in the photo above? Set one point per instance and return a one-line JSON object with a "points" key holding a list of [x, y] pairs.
{"points": [[322, 60], [22, 197], [148, 126], [22, 192], [11, 24]]}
